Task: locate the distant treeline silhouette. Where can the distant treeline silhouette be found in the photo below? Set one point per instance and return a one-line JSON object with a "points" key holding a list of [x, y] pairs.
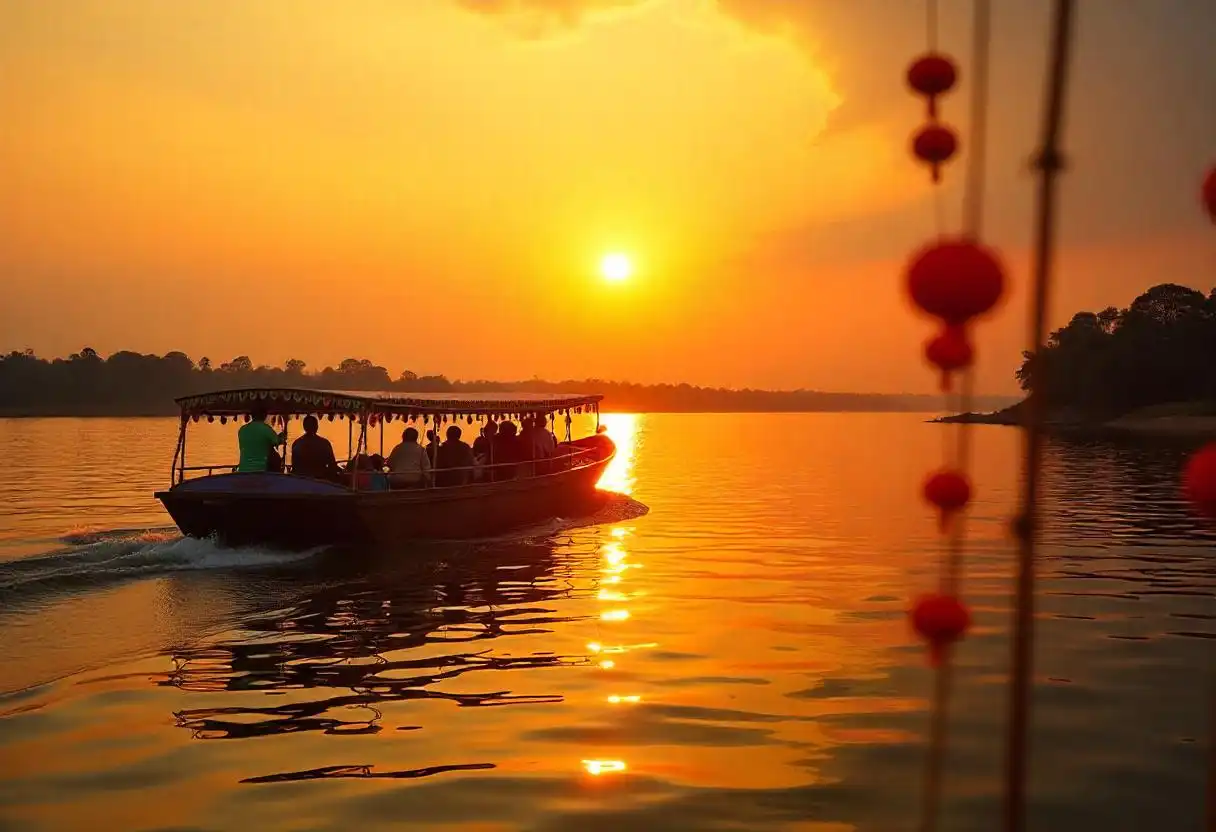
{"points": [[128, 383], [1160, 350]]}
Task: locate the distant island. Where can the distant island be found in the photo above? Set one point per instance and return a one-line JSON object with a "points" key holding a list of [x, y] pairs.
{"points": [[1149, 368], [131, 384]]}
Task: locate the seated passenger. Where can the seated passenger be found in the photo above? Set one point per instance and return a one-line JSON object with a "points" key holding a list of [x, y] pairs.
{"points": [[506, 452], [527, 433], [257, 440], [481, 445], [408, 463], [370, 476], [541, 445], [432, 445], [481, 450], [312, 455], [453, 454]]}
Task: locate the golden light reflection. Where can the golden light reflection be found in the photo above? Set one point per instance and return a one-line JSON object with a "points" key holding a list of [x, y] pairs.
{"points": [[614, 554], [631, 699], [614, 615], [612, 595], [622, 428], [607, 664], [596, 768], [597, 647]]}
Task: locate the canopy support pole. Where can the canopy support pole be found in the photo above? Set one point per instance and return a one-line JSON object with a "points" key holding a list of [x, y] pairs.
{"points": [[179, 454]]}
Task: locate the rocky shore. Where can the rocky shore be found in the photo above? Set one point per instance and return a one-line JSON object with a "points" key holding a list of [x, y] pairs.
{"points": [[1197, 419]]}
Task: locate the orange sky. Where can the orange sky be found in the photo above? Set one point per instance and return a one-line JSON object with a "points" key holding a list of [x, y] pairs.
{"points": [[431, 183]]}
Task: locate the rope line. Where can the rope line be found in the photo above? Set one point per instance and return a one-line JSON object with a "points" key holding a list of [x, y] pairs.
{"points": [[1049, 164]]}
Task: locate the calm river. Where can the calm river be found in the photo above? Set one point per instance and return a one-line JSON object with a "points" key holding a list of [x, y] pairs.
{"points": [[737, 658]]}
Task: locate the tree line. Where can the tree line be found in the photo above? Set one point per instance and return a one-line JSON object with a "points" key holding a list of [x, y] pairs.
{"points": [[131, 383], [1159, 350]]}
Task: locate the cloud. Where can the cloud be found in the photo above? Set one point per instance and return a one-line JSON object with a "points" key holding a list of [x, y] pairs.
{"points": [[841, 39], [538, 18]]}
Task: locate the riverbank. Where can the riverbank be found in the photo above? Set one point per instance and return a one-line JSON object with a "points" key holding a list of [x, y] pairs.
{"points": [[1182, 419]]}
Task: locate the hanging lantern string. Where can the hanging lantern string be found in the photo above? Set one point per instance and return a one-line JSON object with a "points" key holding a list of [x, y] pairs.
{"points": [[939, 205], [931, 24], [1048, 163], [959, 457], [973, 215], [977, 155]]}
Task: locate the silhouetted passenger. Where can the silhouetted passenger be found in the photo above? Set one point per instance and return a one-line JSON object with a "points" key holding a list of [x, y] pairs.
{"points": [[312, 455], [481, 445], [370, 476], [507, 453], [453, 453], [408, 463], [539, 444], [432, 445], [257, 440]]}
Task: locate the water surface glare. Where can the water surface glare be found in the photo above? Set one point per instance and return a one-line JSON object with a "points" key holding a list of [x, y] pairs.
{"points": [[735, 658]]}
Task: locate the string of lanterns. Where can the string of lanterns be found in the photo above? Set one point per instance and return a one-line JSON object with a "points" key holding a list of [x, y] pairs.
{"points": [[1199, 476], [955, 280]]}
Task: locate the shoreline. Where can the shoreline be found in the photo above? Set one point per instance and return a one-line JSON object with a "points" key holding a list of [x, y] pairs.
{"points": [[1151, 422], [162, 413]]}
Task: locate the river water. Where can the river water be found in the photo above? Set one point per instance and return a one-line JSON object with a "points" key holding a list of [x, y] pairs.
{"points": [[737, 657]]}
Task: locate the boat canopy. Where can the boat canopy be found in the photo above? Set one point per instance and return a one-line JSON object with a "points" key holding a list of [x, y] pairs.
{"points": [[292, 402]]}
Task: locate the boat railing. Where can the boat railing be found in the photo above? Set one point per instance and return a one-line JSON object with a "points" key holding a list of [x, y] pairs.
{"points": [[565, 458]]}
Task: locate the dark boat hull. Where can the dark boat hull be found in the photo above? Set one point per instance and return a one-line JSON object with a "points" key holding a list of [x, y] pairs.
{"points": [[292, 512]]}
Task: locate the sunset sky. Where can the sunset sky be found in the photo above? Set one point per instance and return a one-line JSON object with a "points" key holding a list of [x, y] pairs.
{"points": [[433, 183]]}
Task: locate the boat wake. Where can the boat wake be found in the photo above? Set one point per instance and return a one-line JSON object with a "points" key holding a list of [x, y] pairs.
{"points": [[92, 558]]}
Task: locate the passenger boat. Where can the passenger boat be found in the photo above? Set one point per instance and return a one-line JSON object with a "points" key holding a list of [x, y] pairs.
{"points": [[291, 511]]}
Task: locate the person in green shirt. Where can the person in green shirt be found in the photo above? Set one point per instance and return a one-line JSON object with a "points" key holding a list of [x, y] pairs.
{"points": [[257, 439]]}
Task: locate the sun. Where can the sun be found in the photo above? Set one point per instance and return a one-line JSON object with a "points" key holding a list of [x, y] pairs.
{"points": [[616, 267]]}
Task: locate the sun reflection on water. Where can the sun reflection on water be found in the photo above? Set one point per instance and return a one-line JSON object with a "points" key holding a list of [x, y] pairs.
{"points": [[622, 428], [614, 563], [597, 768]]}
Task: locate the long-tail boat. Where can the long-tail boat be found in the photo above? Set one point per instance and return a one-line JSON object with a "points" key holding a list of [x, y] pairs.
{"points": [[284, 509]]}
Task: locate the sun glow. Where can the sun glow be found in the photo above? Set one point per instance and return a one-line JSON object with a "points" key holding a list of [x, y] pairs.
{"points": [[616, 267]]}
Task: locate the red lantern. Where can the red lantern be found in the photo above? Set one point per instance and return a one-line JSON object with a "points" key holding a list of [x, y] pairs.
{"points": [[941, 620], [950, 350], [1209, 193], [949, 491], [1199, 480], [932, 75], [934, 145], [955, 280]]}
